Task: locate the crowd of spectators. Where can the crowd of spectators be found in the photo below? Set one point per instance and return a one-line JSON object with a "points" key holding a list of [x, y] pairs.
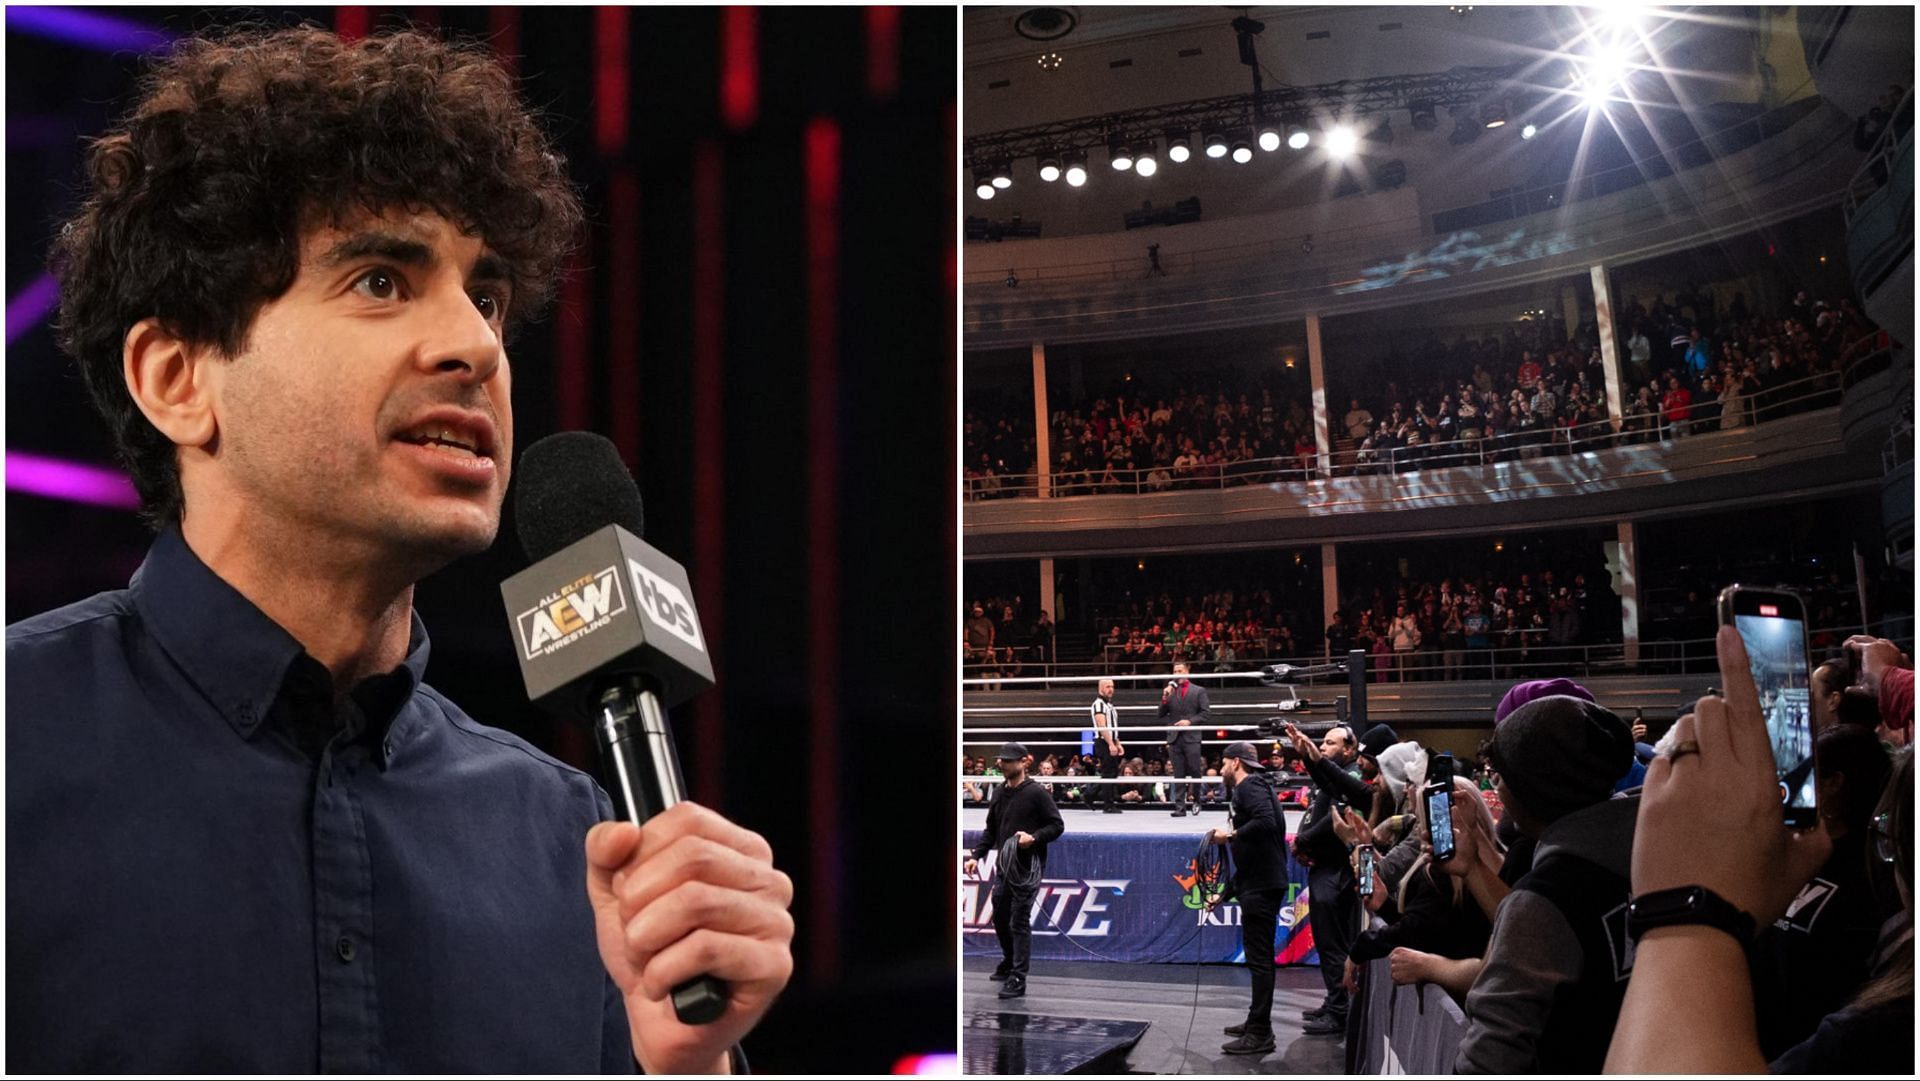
{"points": [[1061, 771], [1449, 629], [1575, 810], [998, 641], [1218, 631], [1183, 436], [997, 446], [1688, 365]]}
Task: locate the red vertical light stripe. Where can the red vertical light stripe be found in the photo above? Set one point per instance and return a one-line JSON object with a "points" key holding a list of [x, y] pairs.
{"points": [[623, 317], [949, 521], [823, 539], [610, 79], [352, 23], [573, 345], [883, 52], [503, 36], [708, 451], [739, 67], [572, 350]]}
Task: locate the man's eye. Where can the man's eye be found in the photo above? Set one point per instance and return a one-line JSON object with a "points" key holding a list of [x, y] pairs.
{"points": [[378, 284], [492, 306]]}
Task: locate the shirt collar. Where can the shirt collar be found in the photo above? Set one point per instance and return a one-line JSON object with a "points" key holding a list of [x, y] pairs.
{"points": [[228, 648]]}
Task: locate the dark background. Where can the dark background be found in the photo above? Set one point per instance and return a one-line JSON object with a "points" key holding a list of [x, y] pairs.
{"points": [[762, 319]]}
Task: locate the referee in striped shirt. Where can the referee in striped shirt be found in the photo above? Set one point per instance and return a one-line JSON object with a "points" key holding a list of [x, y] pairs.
{"points": [[1106, 745]]}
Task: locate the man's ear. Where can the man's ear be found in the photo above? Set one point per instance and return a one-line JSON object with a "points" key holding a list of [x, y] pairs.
{"points": [[170, 380]]}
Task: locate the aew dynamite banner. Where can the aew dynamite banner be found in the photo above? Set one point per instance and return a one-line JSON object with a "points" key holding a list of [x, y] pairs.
{"points": [[1131, 899]]}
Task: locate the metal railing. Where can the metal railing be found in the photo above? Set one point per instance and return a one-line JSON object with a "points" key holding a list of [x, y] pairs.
{"points": [[1517, 654], [1799, 396]]}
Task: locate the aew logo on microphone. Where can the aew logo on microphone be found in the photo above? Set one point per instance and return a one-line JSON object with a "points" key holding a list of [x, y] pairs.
{"points": [[565, 617], [666, 606]]}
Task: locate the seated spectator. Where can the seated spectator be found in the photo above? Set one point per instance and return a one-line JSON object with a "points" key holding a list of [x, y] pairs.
{"points": [[1710, 820], [1548, 993]]}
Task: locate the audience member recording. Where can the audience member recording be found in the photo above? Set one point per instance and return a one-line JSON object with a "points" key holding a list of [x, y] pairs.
{"points": [[1523, 925]]}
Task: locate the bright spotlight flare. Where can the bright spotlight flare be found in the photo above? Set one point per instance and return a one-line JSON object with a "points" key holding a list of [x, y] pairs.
{"points": [[1342, 141]]}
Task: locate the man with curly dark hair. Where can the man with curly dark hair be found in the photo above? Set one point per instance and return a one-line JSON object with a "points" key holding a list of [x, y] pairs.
{"points": [[243, 835]]}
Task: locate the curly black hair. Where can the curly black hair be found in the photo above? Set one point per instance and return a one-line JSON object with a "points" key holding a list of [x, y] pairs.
{"points": [[240, 143]]}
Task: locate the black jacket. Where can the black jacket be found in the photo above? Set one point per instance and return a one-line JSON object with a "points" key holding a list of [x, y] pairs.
{"points": [[1316, 842], [1189, 704], [1259, 836], [1027, 808]]}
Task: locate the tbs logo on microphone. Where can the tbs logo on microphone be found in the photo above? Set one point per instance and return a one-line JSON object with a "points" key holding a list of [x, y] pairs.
{"points": [[663, 603], [565, 617]]}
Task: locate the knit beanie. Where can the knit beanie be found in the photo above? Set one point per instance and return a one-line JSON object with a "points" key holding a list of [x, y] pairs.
{"points": [[1522, 693], [1560, 753]]}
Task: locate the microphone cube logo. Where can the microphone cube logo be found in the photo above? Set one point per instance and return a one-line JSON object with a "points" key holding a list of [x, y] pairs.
{"points": [[571, 614], [666, 606]]}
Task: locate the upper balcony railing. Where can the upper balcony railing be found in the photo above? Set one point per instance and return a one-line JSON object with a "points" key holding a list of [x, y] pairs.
{"points": [[1340, 246], [1814, 392]]}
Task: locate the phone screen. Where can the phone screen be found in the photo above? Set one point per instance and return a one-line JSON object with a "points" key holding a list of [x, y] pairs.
{"points": [[1440, 820], [1777, 655], [1366, 870]]}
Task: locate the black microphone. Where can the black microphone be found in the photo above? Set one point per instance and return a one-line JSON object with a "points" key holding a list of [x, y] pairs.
{"points": [[605, 628]]}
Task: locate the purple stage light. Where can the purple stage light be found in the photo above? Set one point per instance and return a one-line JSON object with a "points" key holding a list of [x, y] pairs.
{"points": [[32, 304], [71, 481], [87, 29]]}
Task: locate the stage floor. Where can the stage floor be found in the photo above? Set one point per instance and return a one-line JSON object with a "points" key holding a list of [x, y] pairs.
{"points": [[1132, 820], [1185, 1007]]}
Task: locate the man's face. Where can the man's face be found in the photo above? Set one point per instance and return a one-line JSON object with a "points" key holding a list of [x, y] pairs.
{"points": [[1179, 669], [1106, 688], [1336, 744], [372, 403], [1015, 768]]}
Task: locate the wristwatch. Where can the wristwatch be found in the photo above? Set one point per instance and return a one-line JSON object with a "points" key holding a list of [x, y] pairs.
{"points": [[1687, 905]]}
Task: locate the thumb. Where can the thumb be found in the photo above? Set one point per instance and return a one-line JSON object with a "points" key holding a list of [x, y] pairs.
{"points": [[609, 846]]}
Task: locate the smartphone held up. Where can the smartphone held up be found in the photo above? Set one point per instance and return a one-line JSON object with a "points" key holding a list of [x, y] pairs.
{"points": [[1773, 626]]}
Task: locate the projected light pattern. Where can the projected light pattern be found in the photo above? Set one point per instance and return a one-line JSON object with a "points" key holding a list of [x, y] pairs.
{"points": [[26, 309], [88, 29], [70, 481]]}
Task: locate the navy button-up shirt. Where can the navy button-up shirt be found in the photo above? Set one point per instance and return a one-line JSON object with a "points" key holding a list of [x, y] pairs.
{"points": [[212, 866]]}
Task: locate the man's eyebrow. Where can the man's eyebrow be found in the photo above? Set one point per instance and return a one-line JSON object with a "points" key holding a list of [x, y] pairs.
{"points": [[489, 267], [391, 246]]}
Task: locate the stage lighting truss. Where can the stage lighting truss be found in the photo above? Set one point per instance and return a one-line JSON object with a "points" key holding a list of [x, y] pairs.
{"points": [[1231, 126]]}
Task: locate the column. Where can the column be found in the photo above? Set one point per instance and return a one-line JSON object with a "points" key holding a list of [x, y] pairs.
{"points": [[1317, 373], [1624, 562], [1047, 597], [1042, 433], [1329, 587], [1609, 346]]}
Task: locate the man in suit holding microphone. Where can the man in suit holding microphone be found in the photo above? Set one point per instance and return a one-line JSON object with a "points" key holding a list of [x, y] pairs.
{"points": [[1184, 706]]}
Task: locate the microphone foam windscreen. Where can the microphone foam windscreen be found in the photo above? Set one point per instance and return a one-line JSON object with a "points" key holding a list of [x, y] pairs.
{"points": [[572, 483]]}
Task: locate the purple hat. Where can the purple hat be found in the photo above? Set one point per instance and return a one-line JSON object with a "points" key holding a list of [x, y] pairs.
{"points": [[1522, 693]]}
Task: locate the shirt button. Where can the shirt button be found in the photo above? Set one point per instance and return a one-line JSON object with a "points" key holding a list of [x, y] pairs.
{"points": [[344, 948]]}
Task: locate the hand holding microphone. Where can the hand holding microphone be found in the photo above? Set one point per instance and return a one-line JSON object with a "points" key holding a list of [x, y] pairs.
{"points": [[690, 915]]}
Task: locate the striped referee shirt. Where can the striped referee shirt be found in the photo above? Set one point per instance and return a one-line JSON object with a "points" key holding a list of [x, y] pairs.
{"points": [[1105, 719]]}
